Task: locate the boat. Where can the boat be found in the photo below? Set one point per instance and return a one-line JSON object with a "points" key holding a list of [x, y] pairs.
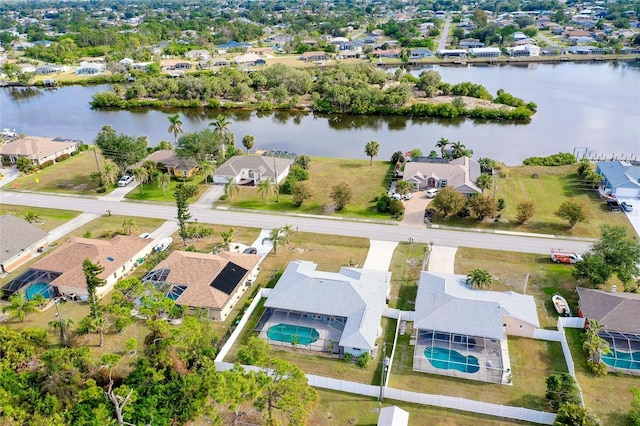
{"points": [[9, 133], [561, 305], [164, 244]]}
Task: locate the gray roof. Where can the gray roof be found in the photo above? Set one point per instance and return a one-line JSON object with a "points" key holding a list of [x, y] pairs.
{"points": [[460, 173], [445, 302], [17, 235], [616, 311], [620, 173], [357, 294], [234, 165]]}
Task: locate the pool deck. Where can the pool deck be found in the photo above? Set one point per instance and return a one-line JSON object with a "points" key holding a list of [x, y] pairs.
{"points": [[327, 332]]}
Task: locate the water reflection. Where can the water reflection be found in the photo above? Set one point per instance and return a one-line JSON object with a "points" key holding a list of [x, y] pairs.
{"points": [[24, 93]]}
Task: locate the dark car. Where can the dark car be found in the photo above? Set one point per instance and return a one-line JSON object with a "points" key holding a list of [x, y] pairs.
{"points": [[614, 205], [250, 250]]}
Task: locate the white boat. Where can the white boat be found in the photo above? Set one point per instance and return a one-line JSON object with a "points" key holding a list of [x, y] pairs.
{"points": [[561, 305], [164, 244], [8, 133]]}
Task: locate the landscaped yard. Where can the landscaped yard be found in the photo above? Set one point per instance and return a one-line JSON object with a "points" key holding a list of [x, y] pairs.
{"points": [[552, 187], [152, 192], [367, 182], [206, 244], [109, 226], [405, 268], [50, 218]]}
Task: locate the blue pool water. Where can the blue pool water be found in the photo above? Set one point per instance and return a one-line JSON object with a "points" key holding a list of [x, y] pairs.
{"points": [[39, 288], [625, 360], [285, 332], [446, 359]]}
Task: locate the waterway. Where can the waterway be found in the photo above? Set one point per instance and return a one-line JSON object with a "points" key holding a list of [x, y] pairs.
{"points": [[581, 106]]}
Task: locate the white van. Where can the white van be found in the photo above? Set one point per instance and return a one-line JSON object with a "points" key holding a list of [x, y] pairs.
{"points": [[432, 192]]}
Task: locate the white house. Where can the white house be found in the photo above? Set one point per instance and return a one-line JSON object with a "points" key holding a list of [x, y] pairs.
{"points": [[461, 174], [251, 169]]}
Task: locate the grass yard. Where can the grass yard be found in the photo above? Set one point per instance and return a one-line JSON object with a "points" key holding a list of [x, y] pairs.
{"points": [[367, 182], [553, 186], [608, 397], [532, 361], [152, 192], [108, 226], [405, 268], [70, 176], [51, 218], [206, 244]]}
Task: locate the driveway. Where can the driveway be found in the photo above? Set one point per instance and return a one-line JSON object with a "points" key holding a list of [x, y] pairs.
{"points": [[414, 209], [119, 193], [442, 259], [9, 174], [379, 255], [210, 196], [633, 216]]}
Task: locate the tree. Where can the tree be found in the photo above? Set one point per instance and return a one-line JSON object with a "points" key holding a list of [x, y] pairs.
{"points": [[199, 146], [266, 189], [341, 195], [620, 251], [479, 17], [175, 126], [236, 388], [248, 142], [31, 216], [62, 325], [372, 148], [303, 161], [447, 202], [443, 144], [123, 150], [525, 211], [227, 236], [163, 180], [300, 193], [397, 157], [109, 174], [634, 413], [231, 188], [479, 279], [128, 225], [484, 181], [93, 281], [483, 206], [20, 307], [458, 149], [403, 187], [182, 203], [24, 165], [572, 211], [221, 129], [206, 168], [140, 174], [562, 389], [277, 236], [574, 414]]}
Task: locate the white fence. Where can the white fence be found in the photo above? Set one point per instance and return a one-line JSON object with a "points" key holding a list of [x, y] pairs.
{"points": [[571, 322]]}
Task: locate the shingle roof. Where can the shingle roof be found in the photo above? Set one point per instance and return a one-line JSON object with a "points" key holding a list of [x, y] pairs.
{"points": [[234, 165], [616, 311], [620, 173], [356, 294], [446, 303], [17, 235], [461, 172], [169, 158], [34, 147], [199, 270], [68, 258]]}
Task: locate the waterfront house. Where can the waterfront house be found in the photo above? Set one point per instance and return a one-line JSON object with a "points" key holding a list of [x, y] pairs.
{"points": [[21, 241], [50, 69], [37, 149], [452, 53], [315, 56], [526, 50], [619, 178], [197, 55], [167, 160], [251, 169], [387, 53], [485, 52], [461, 174], [336, 312], [468, 43], [213, 282], [420, 53], [249, 59], [88, 68]]}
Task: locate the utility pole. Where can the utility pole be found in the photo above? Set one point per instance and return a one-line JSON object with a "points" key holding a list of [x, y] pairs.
{"points": [[95, 154], [275, 178], [385, 366]]}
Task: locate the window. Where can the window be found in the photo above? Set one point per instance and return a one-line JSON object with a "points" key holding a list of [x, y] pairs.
{"points": [[184, 173], [443, 183]]}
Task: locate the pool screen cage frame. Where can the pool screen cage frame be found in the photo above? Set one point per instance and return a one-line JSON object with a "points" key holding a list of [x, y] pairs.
{"points": [[329, 327], [621, 342], [488, 352], [24, 280]]}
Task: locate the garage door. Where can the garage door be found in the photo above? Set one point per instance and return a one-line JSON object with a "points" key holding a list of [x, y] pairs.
{"points": [[627, 192]]}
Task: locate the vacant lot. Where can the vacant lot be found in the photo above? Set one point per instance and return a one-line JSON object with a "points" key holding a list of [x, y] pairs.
{"points": [[367, 182], [106, 227], [405, 268], [49, 219]]}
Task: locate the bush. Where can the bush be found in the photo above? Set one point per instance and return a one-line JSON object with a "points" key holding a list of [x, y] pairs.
{"points": [[46, 164], [560, 159], [363, 360], [396, 207], [63, 157], [299, 173], [383, 203], [83, 147], [74, 153]]}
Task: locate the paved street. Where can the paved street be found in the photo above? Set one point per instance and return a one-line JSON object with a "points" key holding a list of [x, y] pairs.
{"points": [[334, 225], [445, 34]]}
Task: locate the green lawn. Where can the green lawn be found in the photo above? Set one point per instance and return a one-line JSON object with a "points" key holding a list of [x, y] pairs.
{"points": [[51, 218], [549, 190], [405, 268], [367, 182], [108, 226], [152, 192]]}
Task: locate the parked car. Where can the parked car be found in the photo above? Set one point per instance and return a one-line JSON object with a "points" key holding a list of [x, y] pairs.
{"points": [[432, 192], [614, 205], [395, 196], [250, 250], [407, 196], [626, 206], [145, 235], [561, 256], [125, 180]]}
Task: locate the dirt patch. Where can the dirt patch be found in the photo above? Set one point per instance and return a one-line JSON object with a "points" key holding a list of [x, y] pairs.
{"points": [[469, 103]]}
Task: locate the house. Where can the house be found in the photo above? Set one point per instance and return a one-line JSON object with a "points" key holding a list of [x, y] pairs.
{"points": [[420, 53], [348, 54], [50, 69], [21, 241], [197, 55], [175, 65], [315, 56], [141, 66], [467, 43], [232, 45], [485, 52], [168, 161], [214, 282], [282, 39], [393, 416], [588, 50], [452, 53], [127, 62], [90, 68], [618, 313], [261, 51], [37, 149], [60, 272], [619, 178], [462, 332], [249, 59], [336, 312], [386, 53], [526, 50], [461, 174], [251, 169]]}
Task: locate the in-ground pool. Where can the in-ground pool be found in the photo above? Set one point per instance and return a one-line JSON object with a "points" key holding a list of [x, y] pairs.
{"points": [[622, 360], [39, 288], [447, 359], [285, 332]]}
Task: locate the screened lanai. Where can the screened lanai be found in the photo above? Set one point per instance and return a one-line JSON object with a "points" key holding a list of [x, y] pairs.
{"points": [[31, 276], [624, 355]]}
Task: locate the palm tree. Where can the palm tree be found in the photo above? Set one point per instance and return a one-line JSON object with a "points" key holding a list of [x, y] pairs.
{"points": [[443, 144], [140, 174], [276, 238], [206, 167], [20, 307], [151, 167], [484, 181], [403, 187], [248, 142], [164, 180], [128, 225], [372, 148], [479, 279], [458, 149], [227, 237], [109, 174], [221, 129], [175, 126], [31, 216], [63, 325], [39, 299], [266, 189], [231, 187]]}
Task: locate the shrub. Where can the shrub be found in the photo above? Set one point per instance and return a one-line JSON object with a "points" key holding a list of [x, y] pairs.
{"points": [[363, 360], [299, 173], [560, 159], [383, 203], [62, 157], [74, 153], [396, 207], [46, 164], [348, 357], [83, 147]]}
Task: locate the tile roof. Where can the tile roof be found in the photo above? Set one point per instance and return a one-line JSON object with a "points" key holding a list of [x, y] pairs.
{"points": [[34, 147], [68, 258], [17, 235], [446, 303], [169, 158], [616, 311], [198, 271]]}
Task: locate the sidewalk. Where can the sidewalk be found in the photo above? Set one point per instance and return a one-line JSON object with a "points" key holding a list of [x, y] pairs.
{"points": [[10, 174], [74, 223], [119, 193]]}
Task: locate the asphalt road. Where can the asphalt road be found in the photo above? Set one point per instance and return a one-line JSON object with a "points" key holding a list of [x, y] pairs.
{"points": [[442, 44], [335, 226]]}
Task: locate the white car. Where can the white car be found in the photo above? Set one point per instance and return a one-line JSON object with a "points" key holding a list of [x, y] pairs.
{"points": [[395, 196], [125, 180], [145, 235], [432, 192], [407, 196]]}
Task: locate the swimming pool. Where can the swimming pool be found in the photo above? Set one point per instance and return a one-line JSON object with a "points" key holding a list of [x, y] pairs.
{"points": [[285, 332], [623, 360], [447, 359], [39, 288]]}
